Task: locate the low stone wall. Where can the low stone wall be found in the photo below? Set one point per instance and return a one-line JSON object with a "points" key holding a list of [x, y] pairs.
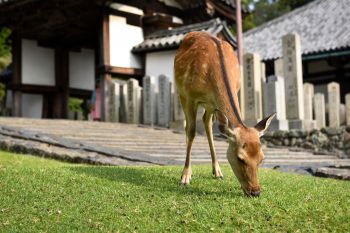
{"points": [[326, 140]]}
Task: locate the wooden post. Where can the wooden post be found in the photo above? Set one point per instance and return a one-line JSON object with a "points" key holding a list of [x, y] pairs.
{"points": [[239, 32], [60, 106], [17, 76], [104, 60]]}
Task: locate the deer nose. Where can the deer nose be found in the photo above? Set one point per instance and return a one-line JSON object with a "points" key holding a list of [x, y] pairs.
{"points": [[255, 193]]}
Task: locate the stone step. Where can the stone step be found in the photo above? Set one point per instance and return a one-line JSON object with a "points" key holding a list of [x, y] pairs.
{"points": [[161, 144], [284, 162], [267, 158]]}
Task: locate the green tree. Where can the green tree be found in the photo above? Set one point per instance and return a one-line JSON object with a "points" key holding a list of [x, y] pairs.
{"points": [[263, 11], [5, 47]]}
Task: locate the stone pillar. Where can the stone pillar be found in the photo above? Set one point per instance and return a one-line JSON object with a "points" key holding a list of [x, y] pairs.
{"points": [[179, 116], [140, 104], [274, 101], [293, 80], [263, 81], [252, 88], [241, 92], [149, 100], [279, 67], [309, 122], [319, 110], [113, 101], [123, 113], [163, 101], [132, 101], [333, 90], [308, 96], [347, 108]]}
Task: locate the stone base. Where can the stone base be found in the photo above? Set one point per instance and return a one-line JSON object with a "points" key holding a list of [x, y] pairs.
{"points": [[178, 125], [296, 124], [302, 124], [250, 122], [310, 125], [200, 127], [278, 125]]}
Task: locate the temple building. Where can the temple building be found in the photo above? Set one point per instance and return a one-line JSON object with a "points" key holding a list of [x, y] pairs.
{"points": [[324, 30], [71, 48]]}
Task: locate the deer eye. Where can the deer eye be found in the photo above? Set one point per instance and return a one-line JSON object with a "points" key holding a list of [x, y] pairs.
{"points": [[244, 145]]}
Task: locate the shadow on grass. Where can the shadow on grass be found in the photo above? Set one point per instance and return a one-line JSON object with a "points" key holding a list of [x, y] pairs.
{"points": [[156, 178]]}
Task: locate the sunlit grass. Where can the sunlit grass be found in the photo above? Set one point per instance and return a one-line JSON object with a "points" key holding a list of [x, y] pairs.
{"points": [[45, 195]]}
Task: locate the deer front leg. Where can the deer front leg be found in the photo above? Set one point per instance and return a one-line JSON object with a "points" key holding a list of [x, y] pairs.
{"points": [[190, 111], [208, 124]]}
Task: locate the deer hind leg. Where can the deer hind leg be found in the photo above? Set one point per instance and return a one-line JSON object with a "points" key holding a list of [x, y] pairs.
{"points": [[208, 124], [190, 110]]}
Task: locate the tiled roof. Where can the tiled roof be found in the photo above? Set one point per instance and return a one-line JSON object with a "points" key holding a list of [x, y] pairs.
{"points": [[323, 25], [171, 38]]}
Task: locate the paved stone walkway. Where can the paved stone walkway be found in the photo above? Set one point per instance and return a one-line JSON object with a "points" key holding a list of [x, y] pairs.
{"points": [[125, 144]]}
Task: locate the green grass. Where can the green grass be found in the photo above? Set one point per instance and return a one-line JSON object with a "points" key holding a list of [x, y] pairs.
{"points": [[40, 195]]}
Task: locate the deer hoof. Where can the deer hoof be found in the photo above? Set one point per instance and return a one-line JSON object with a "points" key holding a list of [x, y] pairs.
{"points": [[186, 177], [217, 173], [185, 180]]}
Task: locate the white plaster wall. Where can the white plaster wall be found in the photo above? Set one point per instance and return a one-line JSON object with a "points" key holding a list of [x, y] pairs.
{"points": [[32, 105], [82, 69], [38, 64], [158, 63], [122, 38]]}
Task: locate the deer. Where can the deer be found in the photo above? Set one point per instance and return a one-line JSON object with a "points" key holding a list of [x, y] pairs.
{"points": [[207, 74]]}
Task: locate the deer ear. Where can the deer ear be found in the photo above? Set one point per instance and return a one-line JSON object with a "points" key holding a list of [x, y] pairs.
{"points": [[262, 126]]}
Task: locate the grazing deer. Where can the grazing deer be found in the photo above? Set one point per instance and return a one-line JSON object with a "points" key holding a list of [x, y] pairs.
{"points": [[207, 74]]}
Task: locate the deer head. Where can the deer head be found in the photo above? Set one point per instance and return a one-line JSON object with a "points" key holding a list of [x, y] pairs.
{"points": [[245, 154]]}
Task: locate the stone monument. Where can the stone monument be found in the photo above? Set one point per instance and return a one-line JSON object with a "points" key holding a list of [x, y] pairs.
{"points": [[333, 91], [347, 108], [163, 101], [274, 101], [132, 101], [319, 110], [113, 101], [252, 89], [293, 81], [149, 100]]}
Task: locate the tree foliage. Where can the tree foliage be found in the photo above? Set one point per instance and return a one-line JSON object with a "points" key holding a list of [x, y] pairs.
{"points": [[5, 45], [5, 48], [266, 10]]}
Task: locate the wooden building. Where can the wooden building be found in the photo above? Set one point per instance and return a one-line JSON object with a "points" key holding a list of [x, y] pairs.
{"points": [[68, 48]]}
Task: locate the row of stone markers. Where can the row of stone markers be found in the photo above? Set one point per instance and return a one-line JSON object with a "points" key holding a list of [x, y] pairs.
{"points": [[296, 104], [155, 104]]}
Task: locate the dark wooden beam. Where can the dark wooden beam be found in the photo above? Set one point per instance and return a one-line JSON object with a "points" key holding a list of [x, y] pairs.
{"points": [[80, 93], [131, 19], [33, 89], [114, 70], [60, 103], [17, 75], [322, 74], [104, 59]]}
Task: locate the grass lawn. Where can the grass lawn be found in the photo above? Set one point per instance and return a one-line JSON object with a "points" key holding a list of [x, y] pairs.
{"points": [[40, 195]]}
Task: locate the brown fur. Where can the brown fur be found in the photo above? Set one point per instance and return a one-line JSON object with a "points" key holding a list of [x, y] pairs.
{"points": [[199, 80]]}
